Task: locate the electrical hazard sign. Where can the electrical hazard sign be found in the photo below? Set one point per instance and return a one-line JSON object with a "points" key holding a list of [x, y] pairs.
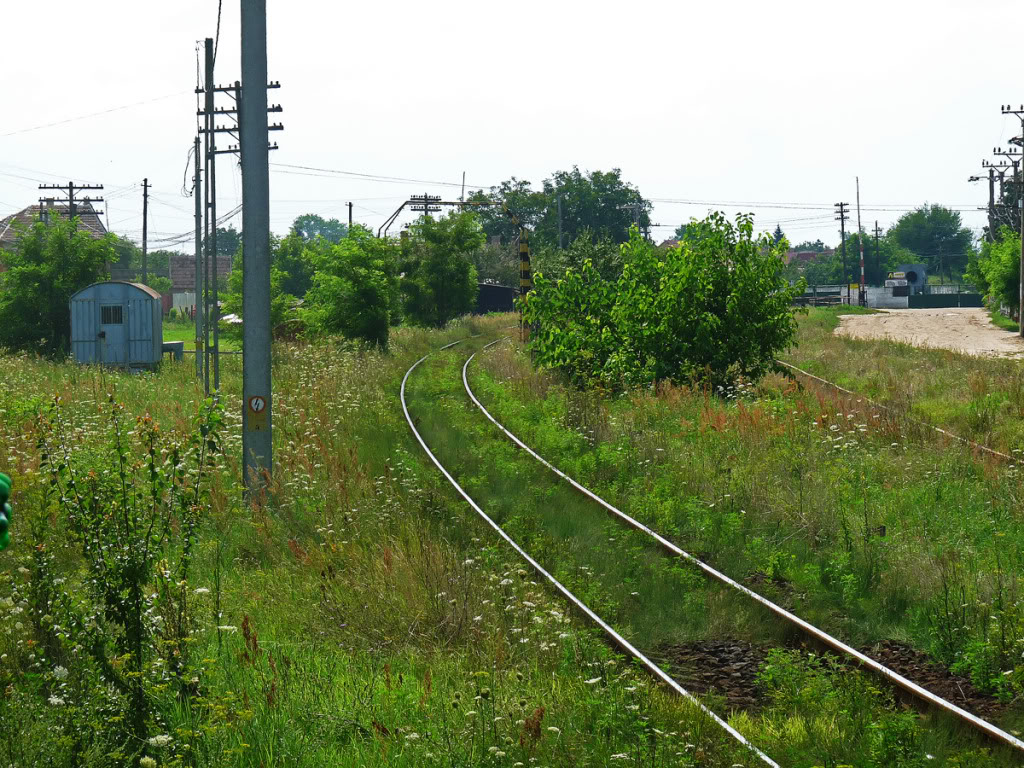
{"points": [[256, 413]]}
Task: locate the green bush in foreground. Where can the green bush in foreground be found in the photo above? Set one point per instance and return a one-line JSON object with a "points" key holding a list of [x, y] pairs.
{"points": [[715, 309]]}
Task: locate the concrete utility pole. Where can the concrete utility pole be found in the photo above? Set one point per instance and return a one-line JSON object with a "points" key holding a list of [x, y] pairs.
{"points": [[860, 241], [257, 397], [145, 229], [1013, 155], [350, 215], [841, 212], [213, 313], [1019, 114], [991, 203], [197, 193]]}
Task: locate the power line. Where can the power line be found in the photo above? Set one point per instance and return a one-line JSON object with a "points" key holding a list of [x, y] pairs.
{"points": [[367, 176], [216, 42], [92, 114]]}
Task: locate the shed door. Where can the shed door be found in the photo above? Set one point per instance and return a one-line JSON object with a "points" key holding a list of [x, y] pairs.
{"points": [[112, 337]]}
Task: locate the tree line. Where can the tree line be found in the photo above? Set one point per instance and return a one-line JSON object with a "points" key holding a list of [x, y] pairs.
{"points": [[932, 235]]}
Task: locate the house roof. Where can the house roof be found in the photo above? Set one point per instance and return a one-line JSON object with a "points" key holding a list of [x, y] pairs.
{"points": [[11, 226]]}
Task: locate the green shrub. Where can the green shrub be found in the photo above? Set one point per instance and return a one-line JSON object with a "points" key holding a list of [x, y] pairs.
{"points": [[133, 510], [355, 287], [440, 281], [715, 309], [47, 265]]}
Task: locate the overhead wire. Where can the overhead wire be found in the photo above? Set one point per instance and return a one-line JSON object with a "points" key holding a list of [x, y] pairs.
{"points": [[92, 114]]}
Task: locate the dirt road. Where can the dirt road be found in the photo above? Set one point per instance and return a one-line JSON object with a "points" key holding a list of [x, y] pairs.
{"points": [[964, 330]]}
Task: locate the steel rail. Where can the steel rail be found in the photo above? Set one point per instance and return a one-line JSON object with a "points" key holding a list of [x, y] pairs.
{"points": [[618, 639], [820, 635], [940, 430]]}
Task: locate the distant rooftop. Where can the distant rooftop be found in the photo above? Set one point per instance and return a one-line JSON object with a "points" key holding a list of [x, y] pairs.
{"points": [[11, 226]]}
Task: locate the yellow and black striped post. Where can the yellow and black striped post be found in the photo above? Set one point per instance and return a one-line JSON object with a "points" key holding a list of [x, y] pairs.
{"points": [[525, 275]]}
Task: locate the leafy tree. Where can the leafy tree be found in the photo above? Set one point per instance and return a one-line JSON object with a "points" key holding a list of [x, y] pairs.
{"points": [[291, 256], [807, 245], [605, 256], [778, 236], [440, 281], [309, 226], [936, 236], [827, 269], [159, 283], [599, 203], [517, 205], [47, 265], [229, 241], [681, 231], [282, 303], [497, 264], [996, 270], [355, 286], [714, 309]]}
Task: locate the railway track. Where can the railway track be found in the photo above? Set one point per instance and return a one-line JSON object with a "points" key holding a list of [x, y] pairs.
{"points": [[918, 692], [899, 681], [628, 648]]}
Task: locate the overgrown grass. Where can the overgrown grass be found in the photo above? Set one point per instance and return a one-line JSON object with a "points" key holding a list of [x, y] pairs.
{"points": [[360, 614], [354, 616], [980, 398], [829, 507], [999, 320], [174, 330]]}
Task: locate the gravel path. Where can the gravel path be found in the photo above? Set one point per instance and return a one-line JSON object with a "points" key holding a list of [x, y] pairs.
{"points": [[962, 329]]}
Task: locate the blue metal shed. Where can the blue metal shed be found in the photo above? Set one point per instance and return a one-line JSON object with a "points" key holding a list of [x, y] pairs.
{"points": [[117, 323]]}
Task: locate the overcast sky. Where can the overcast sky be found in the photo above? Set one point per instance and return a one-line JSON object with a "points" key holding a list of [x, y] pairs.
{"points": [[725, 105]]}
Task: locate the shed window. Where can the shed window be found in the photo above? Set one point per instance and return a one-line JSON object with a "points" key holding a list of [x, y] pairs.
{"points": [[111, 315]]}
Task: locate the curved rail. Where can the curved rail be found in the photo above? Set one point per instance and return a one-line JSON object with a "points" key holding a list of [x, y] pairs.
{"points": [[820, 635], [618, 639], [946, 433]]}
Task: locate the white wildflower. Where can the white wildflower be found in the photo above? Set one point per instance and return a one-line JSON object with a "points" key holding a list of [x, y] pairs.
{"points": [[60, 673], [159, 741], [56, 701], [202, 591], [592, 681]]}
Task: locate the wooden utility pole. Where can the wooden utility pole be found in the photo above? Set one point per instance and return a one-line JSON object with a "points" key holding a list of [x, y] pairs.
{"points": [[70, 189], [841, 213], [350, 215], [145, 231]]}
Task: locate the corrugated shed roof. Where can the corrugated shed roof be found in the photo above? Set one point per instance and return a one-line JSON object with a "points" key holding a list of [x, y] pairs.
{"points": [[144, 288], [11, 226]]}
